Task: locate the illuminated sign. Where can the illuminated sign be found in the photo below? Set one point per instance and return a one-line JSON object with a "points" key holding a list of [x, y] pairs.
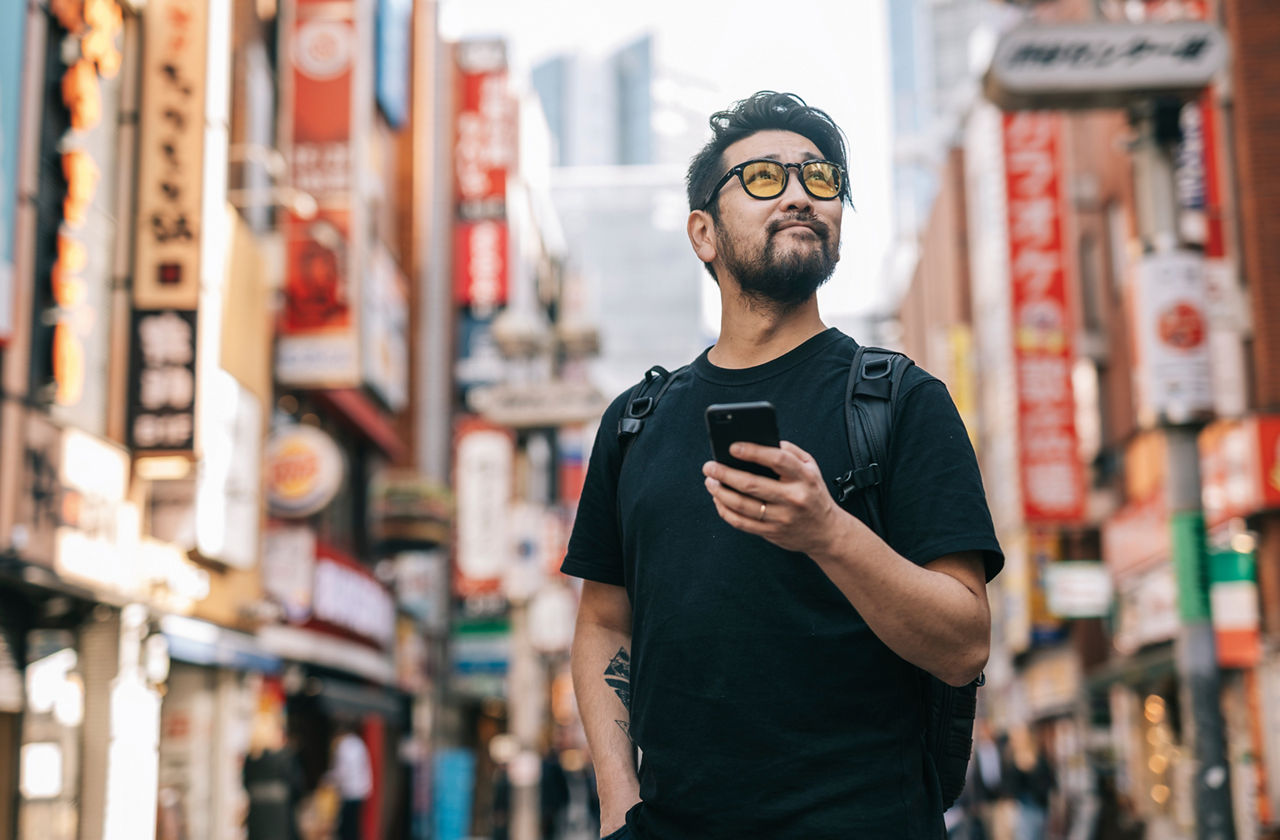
{"points": [[305, 470]]}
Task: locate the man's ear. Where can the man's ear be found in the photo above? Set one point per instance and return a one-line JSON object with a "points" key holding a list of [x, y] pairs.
{"points": [[702, 235]]}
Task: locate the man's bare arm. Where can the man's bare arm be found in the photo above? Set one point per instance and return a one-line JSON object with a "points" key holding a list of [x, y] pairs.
{"points": [[601, 665]]}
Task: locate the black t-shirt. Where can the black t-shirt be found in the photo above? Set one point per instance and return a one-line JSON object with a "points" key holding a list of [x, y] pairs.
{"points": [[761, 702]]}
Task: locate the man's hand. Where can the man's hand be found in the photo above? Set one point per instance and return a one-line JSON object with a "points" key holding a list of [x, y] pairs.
{"points": [[795, 511]]}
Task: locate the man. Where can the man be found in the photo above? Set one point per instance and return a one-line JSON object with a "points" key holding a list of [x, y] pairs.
{"points": [[758, 644], [352, 775]]}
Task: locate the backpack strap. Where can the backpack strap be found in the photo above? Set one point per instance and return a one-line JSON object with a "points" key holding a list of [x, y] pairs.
{"points": [[642, 401], [875, 375]]}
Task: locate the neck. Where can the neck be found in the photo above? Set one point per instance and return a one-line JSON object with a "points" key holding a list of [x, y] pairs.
{"points": [[752, 332]]}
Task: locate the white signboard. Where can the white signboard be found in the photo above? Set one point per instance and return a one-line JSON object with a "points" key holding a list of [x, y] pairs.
{"points": [[484, 465], [1174, 371], [1098, 64], [555, 403], [1078, 589], [384, 331], [288, 565]]}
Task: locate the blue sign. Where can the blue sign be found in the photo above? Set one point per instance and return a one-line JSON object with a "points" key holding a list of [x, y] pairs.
{"points": [[13, 27], [455, 777], [395, 39]]}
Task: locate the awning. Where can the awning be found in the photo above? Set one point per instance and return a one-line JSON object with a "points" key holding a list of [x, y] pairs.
{"points": [[202, 643], [307, 646], [1149, 665], [343, 697]]}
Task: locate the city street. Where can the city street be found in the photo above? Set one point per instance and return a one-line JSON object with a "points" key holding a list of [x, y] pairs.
{"points": [[325, 512]]}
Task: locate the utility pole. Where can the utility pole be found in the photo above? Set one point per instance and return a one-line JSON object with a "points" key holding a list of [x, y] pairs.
{"points": [[1156, 124]]}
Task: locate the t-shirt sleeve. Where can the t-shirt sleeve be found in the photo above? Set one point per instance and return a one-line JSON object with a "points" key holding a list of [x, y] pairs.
{"points": [[595, 544], [935, 504]]}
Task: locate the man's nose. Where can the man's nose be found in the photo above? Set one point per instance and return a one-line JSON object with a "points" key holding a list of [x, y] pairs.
{"points": [[794, 196]]}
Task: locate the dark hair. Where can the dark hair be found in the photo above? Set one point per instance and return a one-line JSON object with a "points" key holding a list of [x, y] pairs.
{"points": [[765, 110]]}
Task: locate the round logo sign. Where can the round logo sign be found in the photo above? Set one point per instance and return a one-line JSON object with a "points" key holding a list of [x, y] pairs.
{"points": [[1182, 326], [324, 48], [304, 471]]}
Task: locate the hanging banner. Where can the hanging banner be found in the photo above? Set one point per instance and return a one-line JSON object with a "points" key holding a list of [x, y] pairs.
{"points": [[1051, 475], [1173, 375], [171, 155], [319, 327]]}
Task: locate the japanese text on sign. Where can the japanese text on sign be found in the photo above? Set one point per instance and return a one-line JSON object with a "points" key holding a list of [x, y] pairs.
{"points": [[163, 392], [1051, 474], [485, 144], [172, 143]]}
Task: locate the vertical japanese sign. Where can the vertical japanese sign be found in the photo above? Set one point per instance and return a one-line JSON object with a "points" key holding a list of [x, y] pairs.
{"points": [[484, 126], [162, 394], [484, 460], [480, 275], [13, 27], [1051, 475], [318, 327], [171, 155]]}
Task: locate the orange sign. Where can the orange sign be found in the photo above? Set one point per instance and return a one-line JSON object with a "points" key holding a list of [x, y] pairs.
{"points": [[1240, 467]]}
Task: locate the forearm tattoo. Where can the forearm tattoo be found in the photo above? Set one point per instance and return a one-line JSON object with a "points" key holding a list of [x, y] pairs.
{"points": [[618, 677]]}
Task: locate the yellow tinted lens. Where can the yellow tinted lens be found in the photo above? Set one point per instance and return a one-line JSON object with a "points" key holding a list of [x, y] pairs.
{"points": [[764, 179], [822, 179]]}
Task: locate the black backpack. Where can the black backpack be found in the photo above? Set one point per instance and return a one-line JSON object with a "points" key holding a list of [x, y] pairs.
{"points": [[870, 397]]}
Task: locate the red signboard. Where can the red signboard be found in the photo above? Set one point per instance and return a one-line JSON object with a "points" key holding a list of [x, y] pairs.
{"points": [[1051, 475], [484, 138], [316, 293], [323, 49], [318, 323], [480, 275]]}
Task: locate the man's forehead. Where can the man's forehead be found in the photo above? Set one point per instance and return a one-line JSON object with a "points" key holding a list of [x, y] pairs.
{"points": [[781, 145]]}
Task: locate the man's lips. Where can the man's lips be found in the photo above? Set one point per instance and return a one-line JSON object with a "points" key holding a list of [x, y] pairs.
{"points": [[814, 226]]}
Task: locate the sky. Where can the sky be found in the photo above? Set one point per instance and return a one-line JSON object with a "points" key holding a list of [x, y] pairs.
{"points": [[833, 53]]}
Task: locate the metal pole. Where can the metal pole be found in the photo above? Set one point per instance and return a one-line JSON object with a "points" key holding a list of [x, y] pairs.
{"points": [[1195, 647]]}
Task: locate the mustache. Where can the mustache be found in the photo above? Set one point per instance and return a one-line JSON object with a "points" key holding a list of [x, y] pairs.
{"points": [[809, 220]]}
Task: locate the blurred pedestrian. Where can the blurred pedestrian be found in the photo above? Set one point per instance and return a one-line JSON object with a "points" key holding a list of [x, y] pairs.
{"points": [[272, 778], [352, 776], [778, 639], [1032, 783], [553, 794]]}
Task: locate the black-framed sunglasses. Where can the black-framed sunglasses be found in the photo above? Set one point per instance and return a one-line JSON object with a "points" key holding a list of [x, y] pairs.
{"points": [[764, 178]]}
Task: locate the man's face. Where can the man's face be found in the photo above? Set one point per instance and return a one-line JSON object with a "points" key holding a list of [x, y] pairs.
{"points": [[780, 249]]}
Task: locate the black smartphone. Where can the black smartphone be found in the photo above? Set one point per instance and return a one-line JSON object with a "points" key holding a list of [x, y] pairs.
{"points": [[749, 422]]}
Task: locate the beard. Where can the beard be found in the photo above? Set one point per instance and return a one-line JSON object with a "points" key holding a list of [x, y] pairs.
{"points": [[780, 278]]}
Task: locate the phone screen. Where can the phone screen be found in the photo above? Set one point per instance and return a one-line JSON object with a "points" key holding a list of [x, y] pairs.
{"points": [[750, 422]]}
